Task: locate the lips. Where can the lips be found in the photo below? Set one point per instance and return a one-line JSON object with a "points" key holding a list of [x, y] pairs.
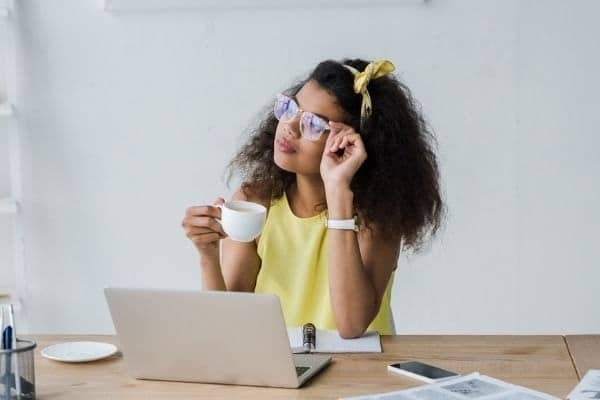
{"points": [[284, 146]]}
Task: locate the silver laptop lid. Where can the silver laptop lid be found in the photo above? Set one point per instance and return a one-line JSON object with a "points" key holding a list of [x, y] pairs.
{"points": [[213, 337]]}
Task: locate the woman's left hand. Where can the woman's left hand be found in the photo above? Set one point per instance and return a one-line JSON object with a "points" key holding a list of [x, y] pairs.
{"points": [[343, 155]]}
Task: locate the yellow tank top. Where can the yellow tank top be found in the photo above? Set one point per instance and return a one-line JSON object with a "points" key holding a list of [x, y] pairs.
{"points": [[293, 252]]}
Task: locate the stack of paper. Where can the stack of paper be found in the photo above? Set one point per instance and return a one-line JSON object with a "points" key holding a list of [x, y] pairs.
{"points": [[472, 386]]}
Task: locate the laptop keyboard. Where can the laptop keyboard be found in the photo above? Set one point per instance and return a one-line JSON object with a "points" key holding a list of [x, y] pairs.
{"points": [[301, 370]]}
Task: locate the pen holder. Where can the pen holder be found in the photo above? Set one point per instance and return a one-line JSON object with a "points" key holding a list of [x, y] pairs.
{"points": [[17, 374]]}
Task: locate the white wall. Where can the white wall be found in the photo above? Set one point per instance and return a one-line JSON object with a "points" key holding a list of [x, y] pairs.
{"points": [[7, 278], [126, 122]]}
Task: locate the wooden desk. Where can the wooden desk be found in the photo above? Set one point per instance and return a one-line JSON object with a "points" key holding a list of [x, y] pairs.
{"points": [[585, 351], [538, 362]]}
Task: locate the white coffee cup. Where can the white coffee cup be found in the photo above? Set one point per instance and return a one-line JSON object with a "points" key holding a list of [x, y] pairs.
{"points": [[242, 220]]}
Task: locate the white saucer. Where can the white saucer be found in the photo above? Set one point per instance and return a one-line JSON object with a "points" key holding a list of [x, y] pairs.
{"points": [[79, 351]]}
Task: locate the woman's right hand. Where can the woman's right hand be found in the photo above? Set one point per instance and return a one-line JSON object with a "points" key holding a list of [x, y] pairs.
{"points": [[202, 228]]}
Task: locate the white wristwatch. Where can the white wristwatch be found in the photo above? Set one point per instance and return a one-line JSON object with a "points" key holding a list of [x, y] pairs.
{"points": [[346, 224]]}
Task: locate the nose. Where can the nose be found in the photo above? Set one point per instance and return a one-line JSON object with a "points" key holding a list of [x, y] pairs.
{"points": [[292, 127]]}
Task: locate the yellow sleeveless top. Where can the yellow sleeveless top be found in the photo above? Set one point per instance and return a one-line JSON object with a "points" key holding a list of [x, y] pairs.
{"points": [[293, 252]]}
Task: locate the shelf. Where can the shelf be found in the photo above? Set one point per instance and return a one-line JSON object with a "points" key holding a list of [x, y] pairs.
{"points": [[6, 109], [165, 5], [9, 296], [8, 205]]}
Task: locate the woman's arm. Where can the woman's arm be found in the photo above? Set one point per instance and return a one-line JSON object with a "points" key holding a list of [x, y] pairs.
{"points": [[240, 262], [232, 265], [360, 266], [201, 226]]}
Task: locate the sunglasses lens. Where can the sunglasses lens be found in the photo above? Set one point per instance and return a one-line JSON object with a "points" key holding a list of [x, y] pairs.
{"points": [[285, 108], [312, 126]]}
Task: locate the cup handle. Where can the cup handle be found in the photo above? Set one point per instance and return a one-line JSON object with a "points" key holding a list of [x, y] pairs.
{"points": [[219, 219]]}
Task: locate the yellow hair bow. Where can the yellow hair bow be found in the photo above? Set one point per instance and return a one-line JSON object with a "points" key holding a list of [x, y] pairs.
{"points": [[375, 69]]}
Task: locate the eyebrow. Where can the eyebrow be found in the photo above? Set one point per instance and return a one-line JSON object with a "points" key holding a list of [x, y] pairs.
{"points": [[318, 115]]}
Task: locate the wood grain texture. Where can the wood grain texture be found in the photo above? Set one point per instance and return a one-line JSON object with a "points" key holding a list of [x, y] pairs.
{"points": [[585, 351], [539, 362]]}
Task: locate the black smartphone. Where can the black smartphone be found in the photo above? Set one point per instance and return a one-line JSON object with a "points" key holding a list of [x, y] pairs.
{"points": [[421, 371]]}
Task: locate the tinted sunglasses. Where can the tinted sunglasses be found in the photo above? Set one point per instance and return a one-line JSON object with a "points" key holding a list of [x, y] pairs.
{"points": [[311, 125]]}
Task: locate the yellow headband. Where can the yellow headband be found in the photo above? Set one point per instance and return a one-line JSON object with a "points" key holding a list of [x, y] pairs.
{"points": [[375, 69]]}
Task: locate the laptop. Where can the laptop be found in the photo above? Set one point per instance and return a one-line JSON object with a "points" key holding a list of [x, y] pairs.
{"points": [[212, 337]]}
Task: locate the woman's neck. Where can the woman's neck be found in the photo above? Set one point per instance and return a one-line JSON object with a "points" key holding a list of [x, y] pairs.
{"points": [[307, 196]]}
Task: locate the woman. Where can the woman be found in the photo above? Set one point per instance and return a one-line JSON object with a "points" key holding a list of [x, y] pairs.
{"points": [[348, 146]]}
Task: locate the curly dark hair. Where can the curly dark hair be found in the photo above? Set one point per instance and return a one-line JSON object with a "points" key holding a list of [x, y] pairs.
{"points": [[397, 188]]}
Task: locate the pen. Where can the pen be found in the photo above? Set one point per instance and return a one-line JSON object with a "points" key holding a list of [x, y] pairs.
{"points": [[2, 326], [6, 344], [309, 337], [11, 321]]}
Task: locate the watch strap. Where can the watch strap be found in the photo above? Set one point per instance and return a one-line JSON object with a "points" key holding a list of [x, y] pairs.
{"points": [[345, 224]]}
